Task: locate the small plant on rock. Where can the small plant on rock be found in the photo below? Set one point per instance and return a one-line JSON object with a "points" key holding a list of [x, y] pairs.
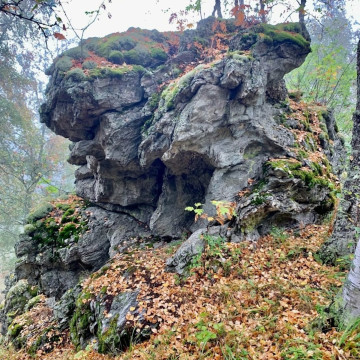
{"points": [[225, 211]]}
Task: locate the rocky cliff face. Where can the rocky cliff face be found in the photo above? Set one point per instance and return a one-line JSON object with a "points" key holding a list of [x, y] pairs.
{"points": [[148, 146], [150, 141], [192, 126]]}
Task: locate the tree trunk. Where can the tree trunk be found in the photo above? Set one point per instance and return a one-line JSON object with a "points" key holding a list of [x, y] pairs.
{"points": [[302, 12], [351, 291], [217, 9], [347, 225], [262, 12]]}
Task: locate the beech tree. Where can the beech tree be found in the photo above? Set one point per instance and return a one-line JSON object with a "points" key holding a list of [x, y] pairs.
{"points": [[250, 12], [217, 9], [351, 291]]}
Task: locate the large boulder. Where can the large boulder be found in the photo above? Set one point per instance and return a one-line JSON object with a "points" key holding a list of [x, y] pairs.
{"points": [[71, 241], [148, 150]]}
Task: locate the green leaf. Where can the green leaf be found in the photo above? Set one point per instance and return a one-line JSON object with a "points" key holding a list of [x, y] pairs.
{"points": [[51, 189]]}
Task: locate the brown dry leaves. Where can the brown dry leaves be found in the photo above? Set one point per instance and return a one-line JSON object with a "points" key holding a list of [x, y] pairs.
{"points": [[263, 300], [36, 322]]}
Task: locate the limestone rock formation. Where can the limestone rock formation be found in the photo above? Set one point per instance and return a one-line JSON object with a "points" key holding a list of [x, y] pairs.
{"points": [[53, 257], [148, 150], [161, 132]]}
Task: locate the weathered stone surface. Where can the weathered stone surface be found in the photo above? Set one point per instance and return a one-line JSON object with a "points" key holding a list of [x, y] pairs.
{"points": [[16, 299], [55, 270], [64, 308], [202, 139], [73, 109], [83, 148], [146, 151], [105, 320], [193, 246]]}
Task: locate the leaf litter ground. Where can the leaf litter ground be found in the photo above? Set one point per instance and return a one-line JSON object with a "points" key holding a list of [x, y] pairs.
{"points": [[242, 301]]}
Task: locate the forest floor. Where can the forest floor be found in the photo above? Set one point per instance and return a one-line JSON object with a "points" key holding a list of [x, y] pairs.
{"points": [[266, 300]]}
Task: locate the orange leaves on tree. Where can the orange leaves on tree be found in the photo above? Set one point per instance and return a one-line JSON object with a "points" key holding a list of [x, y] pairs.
{"points": [[180, 20], [59, 36], [238, 12]]}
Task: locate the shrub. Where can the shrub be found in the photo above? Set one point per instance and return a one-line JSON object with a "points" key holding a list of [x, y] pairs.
{"points": [[102, 49], [116, 57], [64, 64], [77, 53], [157, 36], [91, 43], [158, 54], [131, 57], [106, 45], [137, 57], [88, 64], [29, 229], [126, 43], [76, 75]]}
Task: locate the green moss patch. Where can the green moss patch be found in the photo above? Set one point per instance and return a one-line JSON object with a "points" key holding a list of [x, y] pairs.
{"points": [[147, 48], [105, 72], [274, 35], [79, 323], [281, 33], [40, 212], [310, 176], [169, 94], [75, 75], [59, 223], [63, 64]]}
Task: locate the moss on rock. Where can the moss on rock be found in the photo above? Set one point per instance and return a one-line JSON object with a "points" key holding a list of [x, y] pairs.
{"points": [[63, 64], [80, 322], [277, 34], [39, 212], [48, 230], [75, 75], [105, 72], [310, 176], [169, 94]]}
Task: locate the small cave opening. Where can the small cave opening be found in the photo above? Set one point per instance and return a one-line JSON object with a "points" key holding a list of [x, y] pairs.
{"points": [[185, 182]]}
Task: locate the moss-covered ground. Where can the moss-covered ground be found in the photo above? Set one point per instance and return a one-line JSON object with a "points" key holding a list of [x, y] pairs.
{"points": [[116, 54]]}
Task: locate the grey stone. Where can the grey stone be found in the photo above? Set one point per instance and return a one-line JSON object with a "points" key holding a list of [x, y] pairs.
{"points": [[83, 148], [145, 153], [190, 248], [119, 308], [145, 156], [149, 155], [24, 245], [64, 308]]}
